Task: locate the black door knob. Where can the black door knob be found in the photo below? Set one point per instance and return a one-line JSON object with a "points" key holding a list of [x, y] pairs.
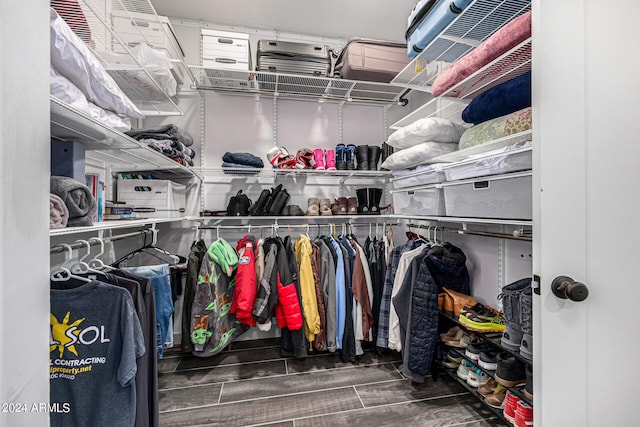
{"points": [[566, 288]]}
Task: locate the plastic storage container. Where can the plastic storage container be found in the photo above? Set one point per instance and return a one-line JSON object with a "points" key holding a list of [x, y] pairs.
{"points": [[514, 158], [423, 175], [502, 196], [225, 50], [427, 200], [153, 198]]}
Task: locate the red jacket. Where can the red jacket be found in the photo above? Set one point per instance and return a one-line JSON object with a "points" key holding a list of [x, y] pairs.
{"points": [[244, 295], [288, 313]]}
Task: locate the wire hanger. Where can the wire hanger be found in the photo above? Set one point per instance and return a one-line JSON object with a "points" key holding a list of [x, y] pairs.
{"points": [[63, 273]]}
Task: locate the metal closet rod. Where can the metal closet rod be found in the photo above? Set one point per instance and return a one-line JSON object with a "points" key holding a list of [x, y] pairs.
{"points": [[471, 232], [278, 225], [96, 241]]}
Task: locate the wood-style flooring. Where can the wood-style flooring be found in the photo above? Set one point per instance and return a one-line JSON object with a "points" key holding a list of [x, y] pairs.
{"points": [[251, 385]]}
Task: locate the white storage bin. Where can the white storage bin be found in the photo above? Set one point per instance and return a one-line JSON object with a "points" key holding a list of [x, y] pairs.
{"points": [[135, 28], [514, 158], [153, 198], [423, 175], [226, 50], [502, 196], [427, 200]]}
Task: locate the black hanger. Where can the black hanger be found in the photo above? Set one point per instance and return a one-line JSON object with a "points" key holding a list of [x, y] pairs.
{"points": [[149, 248]]}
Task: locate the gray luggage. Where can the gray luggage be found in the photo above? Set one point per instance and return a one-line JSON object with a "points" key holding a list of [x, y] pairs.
{"points": [[293, 58], [371, 60]]}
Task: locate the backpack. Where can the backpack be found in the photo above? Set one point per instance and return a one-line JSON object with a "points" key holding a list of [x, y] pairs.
{"points": [[239, 205], [270, 202]]}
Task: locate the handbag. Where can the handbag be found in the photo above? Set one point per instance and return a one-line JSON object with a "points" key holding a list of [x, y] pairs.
{"points": [[453, 302], [238, 205]]}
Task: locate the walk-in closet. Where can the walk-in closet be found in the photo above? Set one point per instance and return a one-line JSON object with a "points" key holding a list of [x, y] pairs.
{"points": [[295, 213]]}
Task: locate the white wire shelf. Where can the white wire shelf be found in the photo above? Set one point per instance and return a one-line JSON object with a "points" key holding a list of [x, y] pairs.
{"points": [[108, 147], [464, 220], [496, 144], [322, 89], [93, 21], [445, 108], [272, 172], [112, 225], [475, 24]]}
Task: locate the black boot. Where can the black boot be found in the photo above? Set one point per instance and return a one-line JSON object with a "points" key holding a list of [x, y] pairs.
{"points": [[362, 154], [374, 196], [374, 157], [363, 204], [387, 150], [341, 156], [350, 154]]}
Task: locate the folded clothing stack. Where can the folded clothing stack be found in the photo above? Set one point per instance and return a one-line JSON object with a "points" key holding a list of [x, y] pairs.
{"points": [[78, 200], [241, 161], [169, 140]]}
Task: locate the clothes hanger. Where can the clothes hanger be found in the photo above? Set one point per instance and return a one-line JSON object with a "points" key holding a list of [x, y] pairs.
{"points": [[96, 262], [63, 273], [81, 266], [147, 247]]}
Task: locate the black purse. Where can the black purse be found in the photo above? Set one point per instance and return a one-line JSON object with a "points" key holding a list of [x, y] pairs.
{"points": [[239, 205]]}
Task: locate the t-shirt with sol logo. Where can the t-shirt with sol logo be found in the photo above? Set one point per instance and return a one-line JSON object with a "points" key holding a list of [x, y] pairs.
{"points": [[94, 340]]}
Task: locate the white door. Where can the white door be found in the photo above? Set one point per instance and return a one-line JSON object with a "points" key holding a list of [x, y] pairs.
{"points": [[586, 93]]}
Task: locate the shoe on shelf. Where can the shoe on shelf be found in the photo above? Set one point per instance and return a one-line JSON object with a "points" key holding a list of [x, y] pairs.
{"points": [[455, 355], [318, 158], [473, 351], [489, 387], [325, 207], [463, 369], [497, 399], [510, 296], [510, 372], [528, 388], [485, 323], [313, 207], [362, 155], [350, 157], [463, 340], [451, 333], [477, 377], [363, 204], [374, 196], [352, 206], [526, 344], [341, 157], [524, 414], [448, 362], [374, 157], [488, 360], [330, 158], [340, 206], [510, 404]]}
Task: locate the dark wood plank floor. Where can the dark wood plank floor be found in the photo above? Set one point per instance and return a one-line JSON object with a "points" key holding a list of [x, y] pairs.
{"points": [[252, 386]]}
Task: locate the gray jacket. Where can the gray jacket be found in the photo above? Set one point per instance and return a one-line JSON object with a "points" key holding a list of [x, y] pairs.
{"points": [[328, 282]]}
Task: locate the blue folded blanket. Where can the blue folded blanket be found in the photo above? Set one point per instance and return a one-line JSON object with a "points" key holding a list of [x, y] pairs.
{"points": [[246, 159], [506, 98], [250, 170]]}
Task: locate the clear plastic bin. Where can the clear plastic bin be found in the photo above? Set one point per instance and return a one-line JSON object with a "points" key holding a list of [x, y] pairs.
{"points": [[506, 160], [427, 200], [423, 175]]}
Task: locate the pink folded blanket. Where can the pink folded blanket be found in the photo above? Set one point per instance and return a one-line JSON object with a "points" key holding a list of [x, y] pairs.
{"points": [[506, 38], [58, 212]]}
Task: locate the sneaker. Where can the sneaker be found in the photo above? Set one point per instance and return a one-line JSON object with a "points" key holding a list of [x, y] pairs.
{"points": [[478, 308], [481, 318], [449, 362], [510, 372], [509, 411], [497, 398], [464, 340], [473, 351], [489, 387], [454, 355], [523, 414], [476, 377], [463, 369], [488, 360]]}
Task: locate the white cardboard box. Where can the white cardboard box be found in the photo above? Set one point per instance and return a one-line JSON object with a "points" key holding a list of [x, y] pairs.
{"points": [[225, 50], [153, 198], [135, 28]]}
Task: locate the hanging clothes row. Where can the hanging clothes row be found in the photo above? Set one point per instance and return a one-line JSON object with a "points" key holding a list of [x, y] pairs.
{"points": [[323, 292]]}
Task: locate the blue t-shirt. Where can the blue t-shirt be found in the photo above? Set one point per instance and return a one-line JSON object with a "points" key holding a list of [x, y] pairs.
{"points": [[95, 338]]}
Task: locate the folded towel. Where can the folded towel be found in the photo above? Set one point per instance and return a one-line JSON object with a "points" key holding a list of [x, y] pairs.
{"points": [[58, 212], [169, 131], [250, 169], [78, 199], [247, 159]]}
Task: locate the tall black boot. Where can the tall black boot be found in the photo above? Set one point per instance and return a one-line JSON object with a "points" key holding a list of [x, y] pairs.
{"points": [[363, 201], [387, 150], [374, 195], [374, 157], [362, 154]]}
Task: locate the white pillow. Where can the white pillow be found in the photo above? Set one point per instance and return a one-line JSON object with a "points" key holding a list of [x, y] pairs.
{"points": [[75, 61], [428, 129], [67, 92], [417, 155]]}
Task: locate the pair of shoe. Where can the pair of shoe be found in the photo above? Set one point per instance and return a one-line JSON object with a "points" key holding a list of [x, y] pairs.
{"points": [[494, 393], [368, 157], [459, 338], [345, 157], [510, 371], [517, 412], [517, 307], [369, 200], [324, 159], [471, 374], [485, 356], [345, 206], [317, 207], [481, 318]]}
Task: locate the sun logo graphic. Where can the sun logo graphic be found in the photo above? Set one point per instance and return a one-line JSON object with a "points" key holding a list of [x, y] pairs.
{"points": [[65, 335]]}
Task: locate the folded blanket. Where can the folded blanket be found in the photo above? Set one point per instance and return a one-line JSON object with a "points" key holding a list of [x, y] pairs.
{"points": [[78, 199], [506, 98], [503, 40], [250, 169], [169, 131], [58, 212], [247, 159]]}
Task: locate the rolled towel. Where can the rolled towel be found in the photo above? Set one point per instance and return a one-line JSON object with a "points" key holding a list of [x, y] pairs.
{"points": [[78, 199], [58, 212]]}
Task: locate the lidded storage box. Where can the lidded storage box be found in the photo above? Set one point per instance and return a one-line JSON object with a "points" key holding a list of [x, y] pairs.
{"points": [[420, 176], [514, 158], [502, 196], [426, 200], [153, 198], [226, 50]]}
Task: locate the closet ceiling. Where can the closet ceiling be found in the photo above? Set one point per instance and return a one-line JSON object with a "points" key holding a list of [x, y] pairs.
{"points": [[382, 19]]}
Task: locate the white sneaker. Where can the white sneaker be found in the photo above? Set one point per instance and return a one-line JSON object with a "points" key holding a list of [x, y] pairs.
{"points": [[463, 369], [476, 378]]}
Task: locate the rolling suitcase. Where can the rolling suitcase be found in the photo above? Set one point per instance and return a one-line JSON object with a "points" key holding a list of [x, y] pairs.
{"points": [[428, 19], [371, 60], [293, 58]]}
